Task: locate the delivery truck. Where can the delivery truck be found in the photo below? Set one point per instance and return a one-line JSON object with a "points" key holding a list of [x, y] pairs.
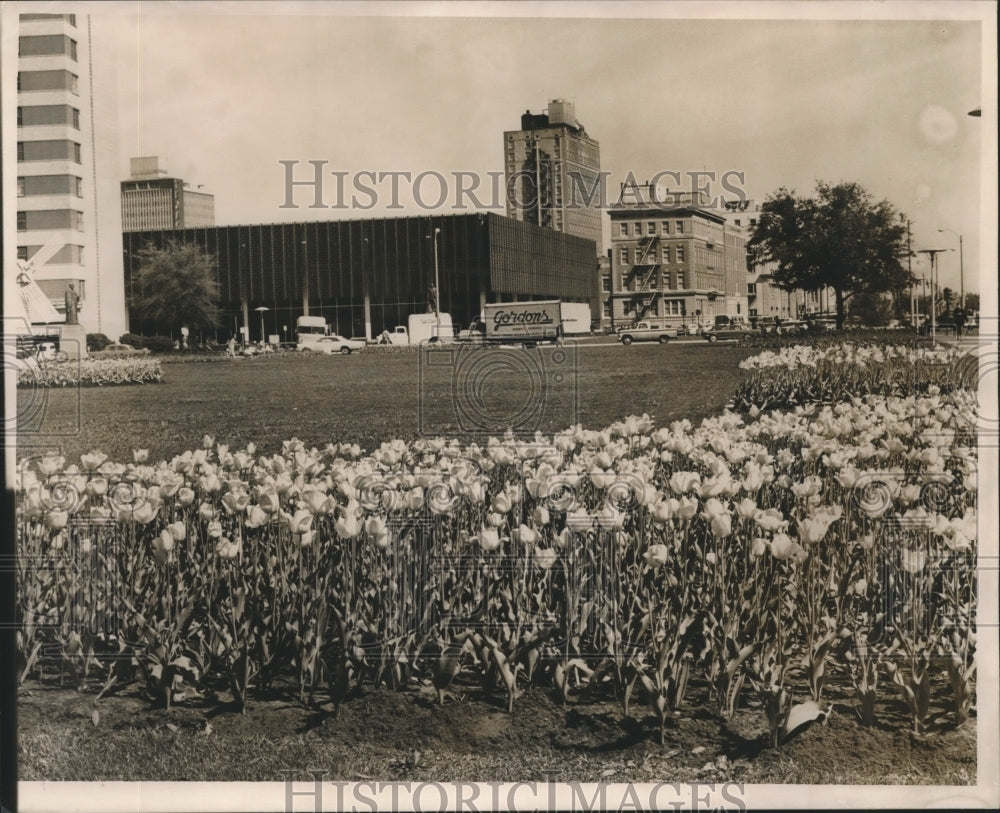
{"points": [[420, 328], [526, 323]]}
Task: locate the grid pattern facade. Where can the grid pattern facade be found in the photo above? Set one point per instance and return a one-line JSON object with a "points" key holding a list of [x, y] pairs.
{"points": [[66, 153], [334, 266]]}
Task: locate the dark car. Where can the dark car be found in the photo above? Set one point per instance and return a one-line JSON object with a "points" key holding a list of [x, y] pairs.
{"points": [[733, 331]]}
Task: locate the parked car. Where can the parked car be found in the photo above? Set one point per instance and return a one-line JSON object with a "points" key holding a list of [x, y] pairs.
{"points": [[735, 331], [333, 344], [647, 332], [118, 350], [792, 326]]}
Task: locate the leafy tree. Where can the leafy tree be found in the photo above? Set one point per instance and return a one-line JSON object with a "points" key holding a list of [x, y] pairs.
{"points": [[176, 286], [971, 301], [947, 295], [840, 239], [871, 309]]}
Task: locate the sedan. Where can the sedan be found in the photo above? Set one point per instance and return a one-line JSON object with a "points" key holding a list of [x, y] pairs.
{"points": [[334, 344], [735, 331]]}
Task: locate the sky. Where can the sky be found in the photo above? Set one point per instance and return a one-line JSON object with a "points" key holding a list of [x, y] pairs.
{"points": [[223, 95]]}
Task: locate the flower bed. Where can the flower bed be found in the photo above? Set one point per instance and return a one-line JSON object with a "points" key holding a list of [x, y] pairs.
{"points": [[90, 372], [803, 374], [834, 543]]}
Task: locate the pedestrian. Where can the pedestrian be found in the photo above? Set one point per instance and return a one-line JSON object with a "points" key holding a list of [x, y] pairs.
{"points": [[959, 317], [231, 347]]}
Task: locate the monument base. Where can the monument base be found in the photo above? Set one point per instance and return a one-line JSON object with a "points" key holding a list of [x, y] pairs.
{"points": [[73, 341]]}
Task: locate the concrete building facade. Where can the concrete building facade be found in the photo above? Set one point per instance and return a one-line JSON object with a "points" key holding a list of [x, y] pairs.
{"points": [[153, 200], [68, 199], [553, 173], [672, 261]]}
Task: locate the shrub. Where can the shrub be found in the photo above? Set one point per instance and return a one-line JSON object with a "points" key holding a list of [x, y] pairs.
{"points": [[97, 341], [159, 344], [133, 339]]}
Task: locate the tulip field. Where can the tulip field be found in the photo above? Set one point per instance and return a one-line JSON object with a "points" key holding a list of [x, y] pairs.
{"points": [[821, 533]]}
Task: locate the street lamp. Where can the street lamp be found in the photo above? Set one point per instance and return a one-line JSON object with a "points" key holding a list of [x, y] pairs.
{"points": [[261, 310], [437, 282], [961, 268], [932, 253]]}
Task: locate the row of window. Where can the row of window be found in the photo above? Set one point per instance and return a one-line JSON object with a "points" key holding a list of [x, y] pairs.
{"points": [[50, 219], [651, 255], [68, 254], [47, 80], [55, 150], [637, 229], [47, 45], [49, 185], [670, 307], [35, 18], [45, 115]]}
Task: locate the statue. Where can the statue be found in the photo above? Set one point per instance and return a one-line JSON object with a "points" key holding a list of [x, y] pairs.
{"points": [[432, 299], [72, 305]]}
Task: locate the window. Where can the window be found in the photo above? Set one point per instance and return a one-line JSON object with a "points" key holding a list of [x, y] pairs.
{"points": [[50, 219], [44, 115], [666, 227], [623, 229], [55, 150], [623, 255], [606, 284], [50, 185], [673, 307], [607, 308], [751, 289], [47, 45], [680, 254], [20, 187], [651, 227], [753, 222], [665, 254], [628, 306], [737, 222], [68, 254]]}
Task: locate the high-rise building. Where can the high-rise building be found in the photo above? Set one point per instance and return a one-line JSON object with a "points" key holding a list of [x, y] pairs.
{"points": [[553, 173], [153, 200], [68, 200]]}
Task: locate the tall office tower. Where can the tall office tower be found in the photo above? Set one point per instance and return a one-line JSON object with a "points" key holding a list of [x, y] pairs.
{"points": [[553, 173], [153, 200], [69, 201]]}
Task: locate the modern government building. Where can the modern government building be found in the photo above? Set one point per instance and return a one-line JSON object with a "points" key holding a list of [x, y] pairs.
{"points": [[366, 276]]}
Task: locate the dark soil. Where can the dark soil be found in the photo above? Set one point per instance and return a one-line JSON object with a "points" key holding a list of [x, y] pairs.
{"points": [[406, 736]]}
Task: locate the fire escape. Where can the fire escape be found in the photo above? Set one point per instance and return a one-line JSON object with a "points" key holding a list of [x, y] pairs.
{"points": [[646, 295]]}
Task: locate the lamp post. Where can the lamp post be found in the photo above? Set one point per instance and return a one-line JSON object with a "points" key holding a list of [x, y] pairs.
{"points": [[932, 253], [961, 268], [437, 283], [261, 310]]}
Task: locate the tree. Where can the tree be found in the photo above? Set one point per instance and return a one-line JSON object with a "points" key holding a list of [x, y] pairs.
{"points": [[840, 239], [176, 286], [871, 309]]}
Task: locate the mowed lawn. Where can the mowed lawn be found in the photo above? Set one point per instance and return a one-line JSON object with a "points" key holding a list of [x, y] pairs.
{"points": [[371, 397]]}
